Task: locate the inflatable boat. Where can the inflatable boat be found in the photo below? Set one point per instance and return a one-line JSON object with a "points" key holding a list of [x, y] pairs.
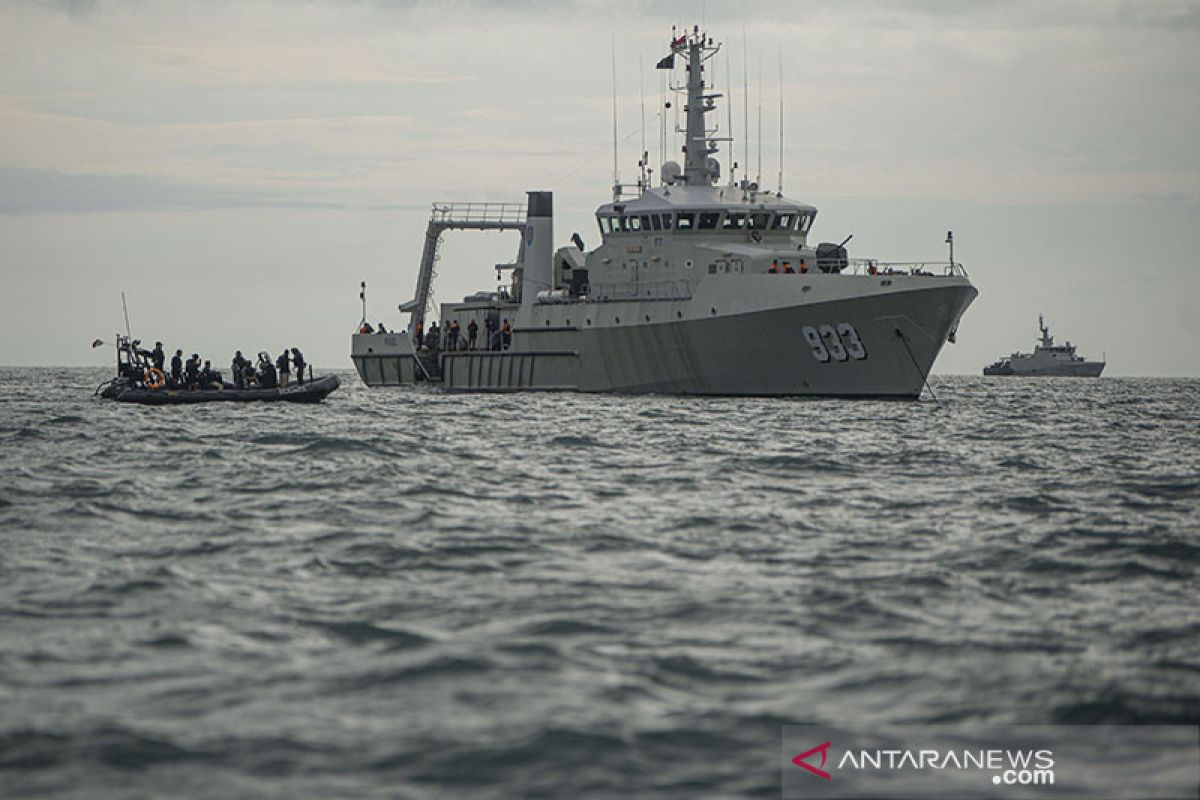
{"points": [[312, 391]]}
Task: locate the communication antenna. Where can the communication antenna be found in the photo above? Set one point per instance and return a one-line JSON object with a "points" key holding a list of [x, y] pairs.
{"points": [[362, 295], [780, 192], [125, 308], [729, 110], [616, 172], [758, 172], [745, 103], [662, 120], [642, 91]]}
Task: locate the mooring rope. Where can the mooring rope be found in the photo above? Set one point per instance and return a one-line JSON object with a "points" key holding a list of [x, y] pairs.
{"points": [[916, 366]]}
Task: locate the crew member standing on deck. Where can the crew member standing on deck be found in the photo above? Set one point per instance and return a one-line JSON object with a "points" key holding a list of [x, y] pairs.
{"points": [[177, 367], [281, 365], [419, 335], [452, 336], [191, 370], [298, 362], [238, 368], [506, 333], [158, 356], [472, 334]]}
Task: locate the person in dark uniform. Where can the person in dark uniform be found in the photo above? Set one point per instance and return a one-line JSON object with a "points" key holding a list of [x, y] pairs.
{"points": [[209, 379], [191, 371], [433, 337], [177, 367], [419, 335], [298, 362], [281, 366], [158, 356], [493, 337], [506, 333], [452, 336], [266, 372], [472, 334], [238, 366]]}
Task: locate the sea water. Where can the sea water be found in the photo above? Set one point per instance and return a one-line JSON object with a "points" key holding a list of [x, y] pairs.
{"points": [[404, 593]]}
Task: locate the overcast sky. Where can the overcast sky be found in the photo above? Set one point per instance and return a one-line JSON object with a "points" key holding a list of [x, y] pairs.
{"points": [[238, 167]]}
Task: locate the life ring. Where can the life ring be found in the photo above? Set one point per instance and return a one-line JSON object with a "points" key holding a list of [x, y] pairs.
{"points": [[155, 379]]}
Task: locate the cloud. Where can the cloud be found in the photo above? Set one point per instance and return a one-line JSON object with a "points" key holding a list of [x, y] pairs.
{"points": [[34, 191]]}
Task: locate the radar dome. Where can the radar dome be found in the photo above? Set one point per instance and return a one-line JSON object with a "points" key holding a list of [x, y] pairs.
{"points": [[714, 169], [671, 172]]}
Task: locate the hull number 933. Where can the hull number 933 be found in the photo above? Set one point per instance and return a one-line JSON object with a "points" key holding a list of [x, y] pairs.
{"points": [[835, 342]]}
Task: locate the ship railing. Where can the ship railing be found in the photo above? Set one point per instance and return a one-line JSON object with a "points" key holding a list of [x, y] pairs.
{"points": [[639, 290], [873, 266], [505, 213]]}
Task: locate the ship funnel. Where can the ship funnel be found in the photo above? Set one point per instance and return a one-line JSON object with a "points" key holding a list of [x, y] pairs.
{"points": [[537, 254]]}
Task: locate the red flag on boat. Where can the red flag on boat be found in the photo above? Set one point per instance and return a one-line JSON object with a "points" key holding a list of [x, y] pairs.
{"points": [[680, 42]]}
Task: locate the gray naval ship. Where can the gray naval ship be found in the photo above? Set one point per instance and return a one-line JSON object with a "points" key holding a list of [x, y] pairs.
{"points": [[697, 287], [1048, 360]]}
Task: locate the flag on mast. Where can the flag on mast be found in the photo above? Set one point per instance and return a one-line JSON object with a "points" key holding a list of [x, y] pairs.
{"points": [[666, 63]]}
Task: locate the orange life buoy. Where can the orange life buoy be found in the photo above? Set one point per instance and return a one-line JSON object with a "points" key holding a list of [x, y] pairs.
{"points": [[155, 379]]}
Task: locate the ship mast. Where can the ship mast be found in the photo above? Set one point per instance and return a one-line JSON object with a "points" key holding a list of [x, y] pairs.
{"points": [[699, 145]]}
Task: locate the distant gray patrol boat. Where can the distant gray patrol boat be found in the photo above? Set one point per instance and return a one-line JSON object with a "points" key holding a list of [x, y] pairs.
{"points": [[1048, 360], [696, 288]]}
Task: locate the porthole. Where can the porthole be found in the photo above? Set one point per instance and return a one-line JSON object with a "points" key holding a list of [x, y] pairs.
{"points": [[679, 314], [647, 318], [589, 322], [687, 264], [617, 320], [547, 323], [806, 288], [714, 311]]}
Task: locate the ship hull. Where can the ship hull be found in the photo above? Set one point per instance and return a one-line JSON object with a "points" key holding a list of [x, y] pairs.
{"points": [[1081, 369], [777, 339]]}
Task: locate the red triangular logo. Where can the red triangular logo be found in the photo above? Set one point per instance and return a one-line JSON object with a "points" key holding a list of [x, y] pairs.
{"points": [[823, 749]]}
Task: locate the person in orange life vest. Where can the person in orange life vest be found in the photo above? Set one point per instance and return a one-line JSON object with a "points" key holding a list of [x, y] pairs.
{"points": [[774, 267], [803, 267], [419, 335]]}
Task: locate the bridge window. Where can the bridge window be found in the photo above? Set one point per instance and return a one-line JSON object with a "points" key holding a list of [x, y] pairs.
{"points": [[759, 222], [666, 222], [606, 225], [784, 221], [635, 224], [733, 221], [805, 223], [652, 222], [685, 221], [709, 219]]}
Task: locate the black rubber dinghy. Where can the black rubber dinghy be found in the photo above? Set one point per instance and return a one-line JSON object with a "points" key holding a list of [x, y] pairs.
{"points": [[313, 391]]}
